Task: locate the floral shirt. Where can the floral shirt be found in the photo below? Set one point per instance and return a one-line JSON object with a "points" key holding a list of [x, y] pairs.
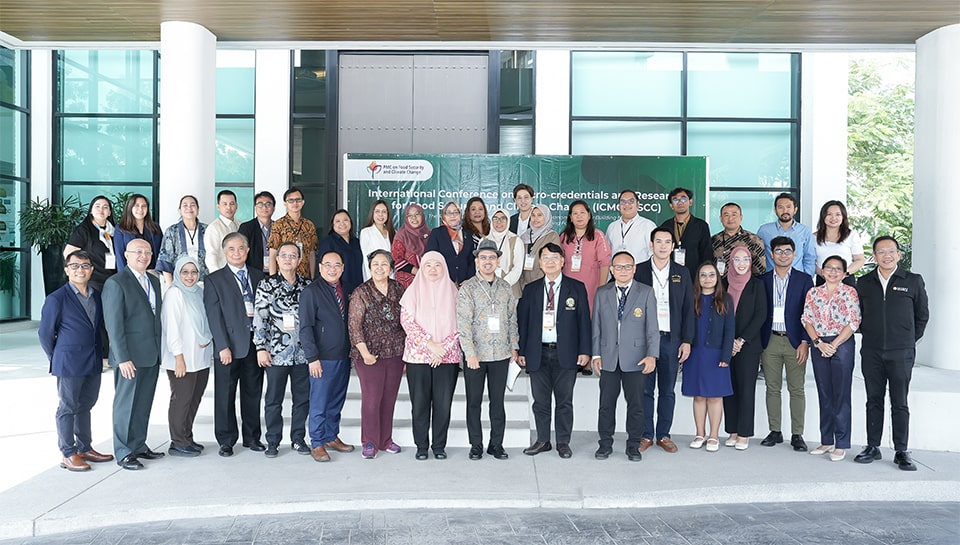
{"points": [[277, 304], [174, 246], [829, 314], [374, 320], [303, 231], [415, 346]]}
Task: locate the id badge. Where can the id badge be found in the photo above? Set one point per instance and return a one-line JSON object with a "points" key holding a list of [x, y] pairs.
{"points": [[549, 319], [680, 257], [300, 246], [111, 262], [249, 308], [493, 324], [778, 316], [289, 321], [663, 310], [575, 262], [722, 266], [528, 262], [266, 262]]}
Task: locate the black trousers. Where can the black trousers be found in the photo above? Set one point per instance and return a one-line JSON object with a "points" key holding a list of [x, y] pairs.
{"points": [[431, 395], [249, 376], [880, 368], [550, 384], [77, 396], [610, 384], [277, 376], [495, 373], [186, 393], [739, 408]]}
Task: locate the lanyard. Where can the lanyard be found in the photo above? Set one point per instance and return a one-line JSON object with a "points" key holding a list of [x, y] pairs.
{"points": [[677, 230], [487, 292], [781, 288], [623, 234]]}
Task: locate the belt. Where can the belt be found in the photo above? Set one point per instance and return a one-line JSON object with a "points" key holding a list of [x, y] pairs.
{"points": [[664, 333], [549, 345], [779, 333]]}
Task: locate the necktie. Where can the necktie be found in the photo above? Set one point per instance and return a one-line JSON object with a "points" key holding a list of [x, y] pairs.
{"points": [[550, 302], [622, 303], [338, 293], [145, 284], [244, 284]]}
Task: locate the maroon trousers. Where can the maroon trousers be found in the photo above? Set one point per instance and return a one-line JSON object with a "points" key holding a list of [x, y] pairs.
{"points": [[379, 384]]}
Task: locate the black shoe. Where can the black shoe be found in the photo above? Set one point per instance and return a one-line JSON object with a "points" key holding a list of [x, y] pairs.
{"points": [[255, 445], [226, 451], [633, 454], [772, 439], [272, 451], [300, 447], [903, 461], [563, 449], [798, 444], [869, 454], [150, 455], [476, 452], [537, 448], [497, 452], [585, 371], [439, 454], [421, 454], [130, 462], [197, 446], [186, 452], [603, 453]]}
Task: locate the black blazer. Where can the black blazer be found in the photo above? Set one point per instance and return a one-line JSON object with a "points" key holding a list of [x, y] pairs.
{"points": [[225, 311], [460, 266], [695, 241], [323, 331], [251, 230], [800, 283], [132, 327], [751, 314], [682, 318], [574, 329]]}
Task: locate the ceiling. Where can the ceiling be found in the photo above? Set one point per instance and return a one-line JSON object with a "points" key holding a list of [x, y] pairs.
{"points": [[521, 21]]}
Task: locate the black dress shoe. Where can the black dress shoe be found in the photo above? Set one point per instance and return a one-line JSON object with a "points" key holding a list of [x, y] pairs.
{"points": [[869, 454], [563, 449], [439, 454], [255, 445], [497, 452], [130, 462], [798, 444], [186, 452], [196, 445], [772, 439], [150, 455], [537, 448], [633, 454], [226, 451], [476, 452], [603, 453], [903, 461], [585, 371], [421, 454]]}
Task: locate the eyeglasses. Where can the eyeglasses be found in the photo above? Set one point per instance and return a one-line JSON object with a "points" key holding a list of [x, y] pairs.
{"points": [[188, 205], [331, 266], [487, 257], [294, 201], [452, 213], [892, 251], [833, 269], [184, 272], [80, 266], [139, 252], [627, 202], [622, 267], [499, 218], [264, 205], [551, 258], [741, 260], [783, 251], [288, 256], [678, 200], [414, 214]]}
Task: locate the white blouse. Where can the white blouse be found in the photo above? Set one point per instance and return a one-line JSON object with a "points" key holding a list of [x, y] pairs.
{"points": [[371, 240], [179, 336]]}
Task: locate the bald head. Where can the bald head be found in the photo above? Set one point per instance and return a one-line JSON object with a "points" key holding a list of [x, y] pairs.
{"points": [[138, 255]]}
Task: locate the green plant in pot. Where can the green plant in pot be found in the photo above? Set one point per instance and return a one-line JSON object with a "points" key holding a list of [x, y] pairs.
{"points": [[9, 275], [48, 226]]}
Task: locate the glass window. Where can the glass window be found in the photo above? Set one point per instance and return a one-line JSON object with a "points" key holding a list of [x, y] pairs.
{"points": [[13, 198], [106, 82], [320, 204], [516, 136], [624, 138], [86, 193], [758, 85], [13, 142], [107, 149], [757, 207], [629, 83], [236, 82], [244, 193], [14, 80], [310, 82], [745, 154], [516, 82], [234, 161], [309, 149], [13, 287]]}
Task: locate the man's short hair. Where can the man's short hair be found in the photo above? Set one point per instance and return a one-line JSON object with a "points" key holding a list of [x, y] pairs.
{"points": [[620, 253], [883, 238], [632, 192], [226, 192], [777, 242], [266, 194], [661, 229], [731, 204], [551, 247], [232, 236], [292, 190], [78, 254], [788, 196], [331, 252], [522, 187], [289, 243], [678, 190]]}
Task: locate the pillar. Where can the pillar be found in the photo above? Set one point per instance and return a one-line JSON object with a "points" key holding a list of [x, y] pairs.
{"points": [[272, 122]]}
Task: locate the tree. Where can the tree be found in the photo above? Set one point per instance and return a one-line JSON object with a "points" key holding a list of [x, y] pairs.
{"points": [[880, 148]]}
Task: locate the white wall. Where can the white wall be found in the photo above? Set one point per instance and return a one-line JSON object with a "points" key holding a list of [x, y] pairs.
{"points": [[272, 125], [552, 130], [41, 155]]}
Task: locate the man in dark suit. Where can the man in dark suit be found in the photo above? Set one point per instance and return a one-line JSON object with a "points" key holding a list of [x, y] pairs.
{"points": [[257, 231], [228, 297], [691, 234], [674, 294], [555, 341], [626, 343], [131, 303], [71, 318], [786, 345]]}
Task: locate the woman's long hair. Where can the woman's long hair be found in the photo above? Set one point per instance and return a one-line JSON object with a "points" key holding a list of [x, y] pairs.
{"points": [[129, 224], [569, 233], [391, 230], [822, 223], [718, 293]]}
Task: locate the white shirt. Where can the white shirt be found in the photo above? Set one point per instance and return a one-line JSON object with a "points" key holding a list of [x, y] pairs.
{"points": [[179, 336], [523, 224], [550, 335], [213, 239], [370, 241], [632, 236], [885, 281], [846, 249], [661, 292]]}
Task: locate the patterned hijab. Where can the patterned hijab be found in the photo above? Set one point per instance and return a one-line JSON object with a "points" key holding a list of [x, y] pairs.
{"points": [[193, 300], [432, 303]]}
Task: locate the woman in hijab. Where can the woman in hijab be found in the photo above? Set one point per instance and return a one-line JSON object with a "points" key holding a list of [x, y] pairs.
{"points": [[537, 236], [187, 353], [454, 244], [428, 313], [511, 263], [750, 311], [409, 244]]}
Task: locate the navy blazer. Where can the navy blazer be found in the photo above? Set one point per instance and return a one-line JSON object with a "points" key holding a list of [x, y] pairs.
{"points": [[800, 283], [721, 329], [251, 230], [323, 331], [682, 318], [574, 330], [750, 315], [132, 326], [352, 259], [225, 310], [462, 266], [71, 341]]}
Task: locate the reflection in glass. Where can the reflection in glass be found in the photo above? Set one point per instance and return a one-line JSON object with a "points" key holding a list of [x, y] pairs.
{"points": [[624, 138], [626, 83], [13, 292], [310, 82], [235, 141], [14, 76], [110, 81], [757, 207], [742, 84], [745, 154], [236, 81], [105, 149], [13, 142]]}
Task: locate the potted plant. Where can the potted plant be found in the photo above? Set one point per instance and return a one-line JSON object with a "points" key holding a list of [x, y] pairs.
{"points": [[48, 226], [9, 282]]}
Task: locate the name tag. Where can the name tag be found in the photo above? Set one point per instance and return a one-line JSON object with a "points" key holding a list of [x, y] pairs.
{"points": [[722, 266], [493, 324], [289, 321], [528, 262], [266, 262], [663, 310], [680, 256], [549, 319], [778, 316], [300, 245], [111, 262], [575, 262], [248, 306]]}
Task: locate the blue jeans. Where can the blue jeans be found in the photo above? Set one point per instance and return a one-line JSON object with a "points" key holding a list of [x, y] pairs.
{"points": [[663, 377], [327, 395], [834, 377]]}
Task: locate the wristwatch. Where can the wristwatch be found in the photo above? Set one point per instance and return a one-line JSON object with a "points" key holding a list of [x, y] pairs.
{"points": [[816, 342]]}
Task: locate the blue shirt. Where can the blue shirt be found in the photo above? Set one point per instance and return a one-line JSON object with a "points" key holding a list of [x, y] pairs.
{"points": [[805, 254]]}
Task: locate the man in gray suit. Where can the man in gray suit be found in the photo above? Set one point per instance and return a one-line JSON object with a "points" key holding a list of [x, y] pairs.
{"points": [[131, 311], [626, 343]]}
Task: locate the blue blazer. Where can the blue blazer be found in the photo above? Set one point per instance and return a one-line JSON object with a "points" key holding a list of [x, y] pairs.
{"points": [[800, 284], [323, 331], [72, 343], [352, 259], [721, 329], [574, 330], [462, 266], [683, 321]]}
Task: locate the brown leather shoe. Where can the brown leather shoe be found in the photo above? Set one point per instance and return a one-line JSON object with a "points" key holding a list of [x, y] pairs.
{"points": [[94, 456], [667, 445], [339, 446], [320, 454], [645, 444], [74, 463]]}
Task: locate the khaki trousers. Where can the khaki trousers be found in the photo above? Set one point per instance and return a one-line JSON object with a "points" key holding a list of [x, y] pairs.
{"points": [[780, 356]]}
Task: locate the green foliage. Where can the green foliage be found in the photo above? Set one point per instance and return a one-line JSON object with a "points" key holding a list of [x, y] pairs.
{"points": [[45, 224], [880, 150], [119, 200]]}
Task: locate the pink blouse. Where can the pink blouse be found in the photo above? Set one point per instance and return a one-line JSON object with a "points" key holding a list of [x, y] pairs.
{"points": [[829, 314], [594, 254], [415, 346]]}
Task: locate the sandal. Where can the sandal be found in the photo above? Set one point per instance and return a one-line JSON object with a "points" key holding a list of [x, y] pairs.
{"points": [[697, 442], [713, 444]]}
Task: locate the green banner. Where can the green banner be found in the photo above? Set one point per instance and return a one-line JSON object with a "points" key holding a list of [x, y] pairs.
{"points": [[432, 180]]}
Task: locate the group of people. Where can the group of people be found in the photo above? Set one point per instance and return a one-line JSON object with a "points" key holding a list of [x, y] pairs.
{"points": [[476, 294]]}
